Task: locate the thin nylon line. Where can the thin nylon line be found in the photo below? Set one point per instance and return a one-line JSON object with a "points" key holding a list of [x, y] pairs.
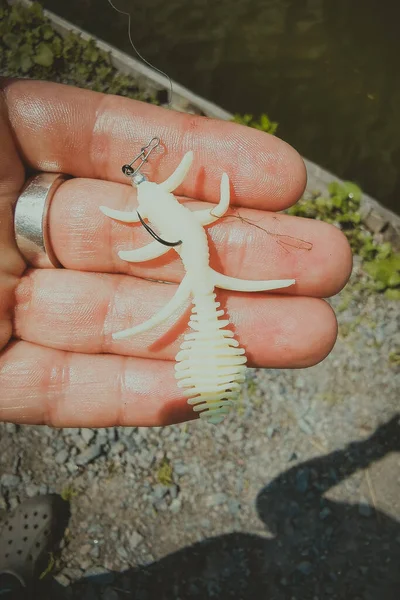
{"points": [[122, 12]]}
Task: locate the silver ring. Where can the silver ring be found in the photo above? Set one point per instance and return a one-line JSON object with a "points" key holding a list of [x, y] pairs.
{"points": [[31, 224]]}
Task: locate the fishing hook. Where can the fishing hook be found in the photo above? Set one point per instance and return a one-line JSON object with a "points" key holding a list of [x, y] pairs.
{"points": [[157, 237]]}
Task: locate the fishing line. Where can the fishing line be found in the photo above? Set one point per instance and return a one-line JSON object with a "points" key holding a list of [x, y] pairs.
{"points": [[127, 14]]}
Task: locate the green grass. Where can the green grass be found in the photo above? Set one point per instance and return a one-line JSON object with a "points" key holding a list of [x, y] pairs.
{"points": [[341, 207], [30, 47]]}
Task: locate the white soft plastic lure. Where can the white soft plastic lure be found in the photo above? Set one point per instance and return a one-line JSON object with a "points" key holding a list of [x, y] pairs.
{"points": [[210, 365]]}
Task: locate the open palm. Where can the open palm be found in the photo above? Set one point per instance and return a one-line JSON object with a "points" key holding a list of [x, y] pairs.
{"points": [[59, 363]]}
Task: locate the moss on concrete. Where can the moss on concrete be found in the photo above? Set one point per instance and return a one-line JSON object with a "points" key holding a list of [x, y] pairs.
{"points": [[30, 47]]}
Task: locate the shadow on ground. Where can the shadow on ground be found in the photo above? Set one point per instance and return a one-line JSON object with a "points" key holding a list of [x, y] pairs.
{"points": [[321, 548]]}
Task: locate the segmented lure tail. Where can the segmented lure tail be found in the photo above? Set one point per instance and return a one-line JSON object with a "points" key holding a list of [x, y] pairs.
{"points": [[210, 363]]}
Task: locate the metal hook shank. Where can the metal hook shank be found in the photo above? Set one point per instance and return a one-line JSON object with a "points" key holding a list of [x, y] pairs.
{"points": [[157, 237]]}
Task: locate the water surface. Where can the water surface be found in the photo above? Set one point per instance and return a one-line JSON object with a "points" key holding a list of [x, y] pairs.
{"points": [[326, 70]]}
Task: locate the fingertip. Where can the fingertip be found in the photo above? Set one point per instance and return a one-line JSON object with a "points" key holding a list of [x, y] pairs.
{"points": [[341, 255], [322, 333], [291, 175], [276, 170]]}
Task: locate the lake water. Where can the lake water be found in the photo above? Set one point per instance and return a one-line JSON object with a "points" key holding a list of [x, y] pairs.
{"points": [[327, 70]]}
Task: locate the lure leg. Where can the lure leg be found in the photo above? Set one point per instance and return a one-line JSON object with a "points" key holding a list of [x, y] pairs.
{"points": [[121, 215], [148, 252], [246, 285], [180, 297], [208, 216], [177, 177]]}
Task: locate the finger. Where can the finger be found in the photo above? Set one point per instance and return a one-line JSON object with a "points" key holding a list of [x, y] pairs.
{"points": [[88, 134], [43, 386], [11, 263], [76, 311], [314, 253]]}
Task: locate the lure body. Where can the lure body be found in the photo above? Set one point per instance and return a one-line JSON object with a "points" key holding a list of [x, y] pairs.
{"points": [[210, 365]]}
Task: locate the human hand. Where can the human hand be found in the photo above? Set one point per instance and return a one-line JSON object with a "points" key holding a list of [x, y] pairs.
{"points": [[58, 363]]}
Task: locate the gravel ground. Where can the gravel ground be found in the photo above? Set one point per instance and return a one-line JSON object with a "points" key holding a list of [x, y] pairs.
{"points": [[295, 496]]}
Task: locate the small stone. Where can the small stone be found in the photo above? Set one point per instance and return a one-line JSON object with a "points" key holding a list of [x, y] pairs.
{"points": [[85, 549], [325, 512], [302, 478], [235, 436], [71, 431], [44, 489], [61, 456], [305, 427], [160, 505], [175, 506], [122, 553], [234, 506], [159, 491], [62, 579], [10, 481], [134, 539], [102, 437], [375, 221], [72, 468], [112, 434], [85, 563], [88, 455], [58, 444], [87, 435], [365, 510], [73, 573], [180, 469], [11, 428], [48, 431], [16, 465], [305, 567], [109, 563], [173, 491], [127, 431], [217, 499], [13, 503], [144, 460], [118, 448], [95, 552], [32, 490], [26, 478]]}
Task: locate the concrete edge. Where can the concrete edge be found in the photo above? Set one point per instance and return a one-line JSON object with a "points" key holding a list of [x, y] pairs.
{"points": [[378, 219], [375, 217]]}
